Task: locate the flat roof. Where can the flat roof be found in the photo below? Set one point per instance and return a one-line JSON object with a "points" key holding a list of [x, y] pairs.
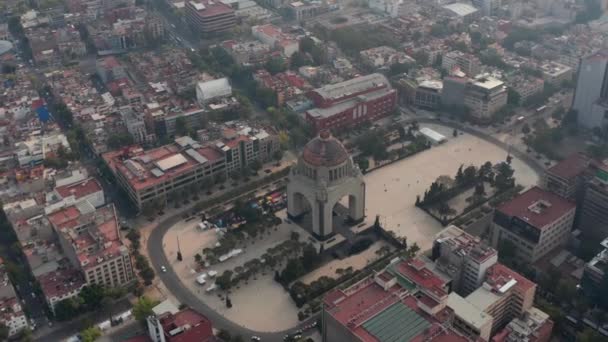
{"points": [[432, 134], [342, 106], [570, 167], [468, 312], [537, 207], [482, 298], [352, 86], [461, 9], [171, 162]]}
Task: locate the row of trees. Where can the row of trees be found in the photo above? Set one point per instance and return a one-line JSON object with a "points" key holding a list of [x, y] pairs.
{"points": [[141, 262], [91, 298]]}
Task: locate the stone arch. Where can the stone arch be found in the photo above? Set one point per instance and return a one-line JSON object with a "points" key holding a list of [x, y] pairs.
{"points": [[298, 204]]}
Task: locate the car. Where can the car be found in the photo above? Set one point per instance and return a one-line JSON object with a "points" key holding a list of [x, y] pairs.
{"points": [[163, 268], [255, 338]]}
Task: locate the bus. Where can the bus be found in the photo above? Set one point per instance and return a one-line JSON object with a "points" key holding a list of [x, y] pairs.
{"points": [[540, 109]]}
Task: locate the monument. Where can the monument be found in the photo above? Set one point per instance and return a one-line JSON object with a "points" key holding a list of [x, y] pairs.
{"points": [[324, 174]]}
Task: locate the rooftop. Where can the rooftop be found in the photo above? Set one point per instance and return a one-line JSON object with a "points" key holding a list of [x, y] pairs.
{"points": [[349, 103], [79, 189], [463, 243], [209, 8], [537, 207], [416, 271], [461, 9], [59, 283], [571, 167], [468, 312], [324, 150], [352, 86], [186, 326]]}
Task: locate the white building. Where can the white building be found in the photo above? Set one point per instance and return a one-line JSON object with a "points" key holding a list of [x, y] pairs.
{"points": [[11, 313], [485, 96], [34, 150], [212, 90], [555, 73], [66, 195]]}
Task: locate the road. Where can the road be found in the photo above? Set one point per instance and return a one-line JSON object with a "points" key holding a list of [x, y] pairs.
{"points": [[184, 295]]}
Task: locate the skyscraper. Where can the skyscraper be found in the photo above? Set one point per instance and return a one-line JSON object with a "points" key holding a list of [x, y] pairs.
{"points": [[591, 96]]}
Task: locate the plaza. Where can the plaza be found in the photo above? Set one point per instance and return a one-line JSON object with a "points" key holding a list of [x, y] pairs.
{"points": [[390, 193]]}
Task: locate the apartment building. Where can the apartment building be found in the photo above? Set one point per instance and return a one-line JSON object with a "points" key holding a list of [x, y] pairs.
{"points": [[535, 222], [358, 100], [152, 176], [11, 312], [466, 62], [504, 295], [60, 284], [463, 257], [208, 17], [273, 36], [555, 74], [594, 211], [66, 195], [90, 240], [567, 178], [594, 272], [248, 53], [484, 96], [526, 87], [533, 325]]}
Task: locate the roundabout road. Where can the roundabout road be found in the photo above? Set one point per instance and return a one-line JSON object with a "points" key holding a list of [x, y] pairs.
{"points": [[184, 295]]}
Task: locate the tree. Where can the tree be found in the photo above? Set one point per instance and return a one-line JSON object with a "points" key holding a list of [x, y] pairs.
{"points": [[504, 177], [92, 296], [66, 309], [275, 65], [307, 44], [298, 59], [224, 335], [525, 129], [589, 335], [310, 257], [224, 281], [459, 175], [90, 334], [455, 133], [143, 308], [118, 140]]}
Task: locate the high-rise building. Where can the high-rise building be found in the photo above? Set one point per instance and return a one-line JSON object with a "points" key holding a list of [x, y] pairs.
{"points": [[594, 213], [466, 62], [592, 91], [90, 240], [535, 222], [594, 274], [208, 17], [463, 257], [567, 177], [534, 325], [484, 96]]}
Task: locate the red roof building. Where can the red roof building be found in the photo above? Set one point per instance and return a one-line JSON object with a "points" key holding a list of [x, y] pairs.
{"points": [[89, 238], [536, 222], [210, 16], [60, 285], [567, 177]]}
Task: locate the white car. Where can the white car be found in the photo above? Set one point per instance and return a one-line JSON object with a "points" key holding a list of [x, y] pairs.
{"points": [[255, 338], [163, 269]]}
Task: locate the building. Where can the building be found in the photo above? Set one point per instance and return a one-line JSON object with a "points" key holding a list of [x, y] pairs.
{"points": [[555, 74], [168, 324], [67, 195], [592, 90], [463, 257], [135, 124], [165, 124], [466, 62], [324, 174], [248, 53], [488, 7], [428, 94], [209, 17], [453, 90], [390, 304], [568, 177], [276, 38], [304, 10], [384, 57], [594, 211], [462, 11], [151, 177], [286, 85], [593, 281], [352, 102], [469, 319], [213, 90], [484, 96], [534, 325], [11, 313], [60, 284], [526, 87], [90, 240], [109, 69], [504, 295], [535, 222]]}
